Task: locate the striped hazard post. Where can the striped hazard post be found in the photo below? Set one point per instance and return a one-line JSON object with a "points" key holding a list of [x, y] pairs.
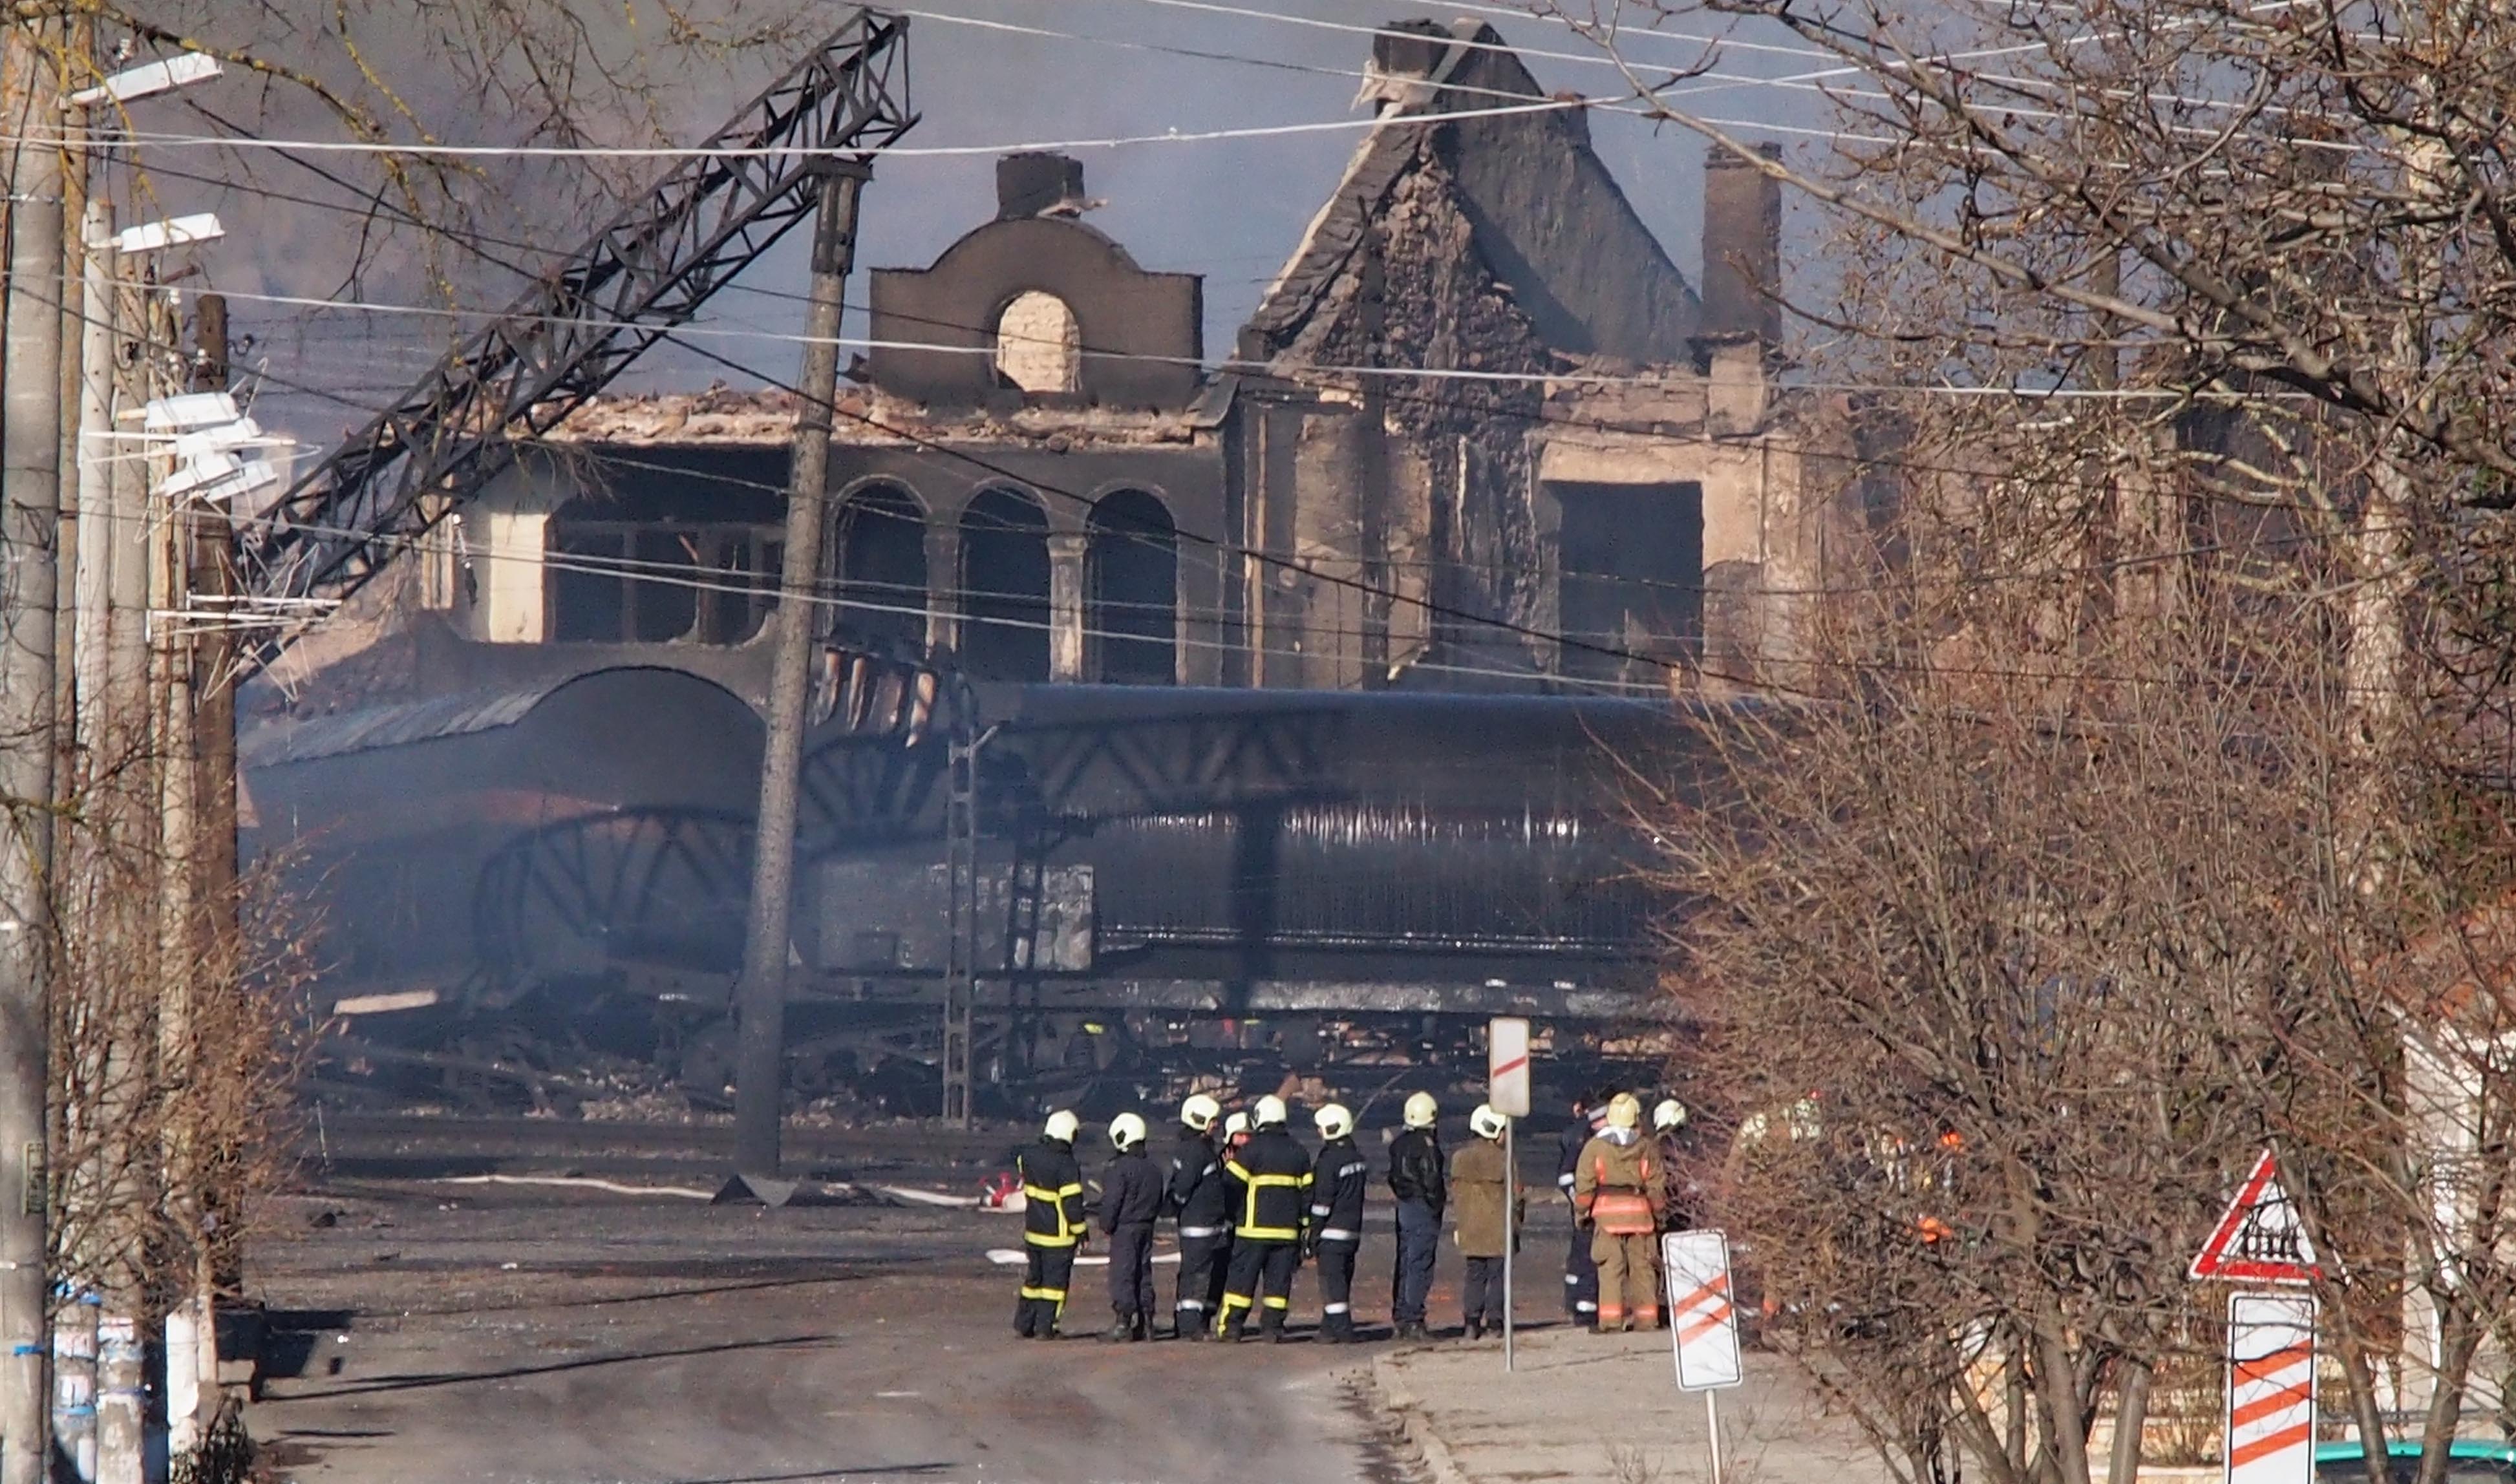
{"points": [[2271, 1388], [1703, 1322]]}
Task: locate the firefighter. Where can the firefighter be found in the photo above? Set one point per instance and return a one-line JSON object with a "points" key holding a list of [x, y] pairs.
{"points": [[1416, 1183], [1051, 1224], [1668, 1130], [1479, 1188], [1337, 1182], [1580, 1270], [1275, 1177], [1198, 1197], [1131, 1200], [1617, 1193], [1236, 1132]]}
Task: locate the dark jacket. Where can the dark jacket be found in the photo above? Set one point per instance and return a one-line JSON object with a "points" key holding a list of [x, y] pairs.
{"points": [[1131, 1190], [1199, 1195], [1415, 1170], [1051, 1193], [1338, 1178], [1477, 1182], [1274, 1179], [1575, 1137]]}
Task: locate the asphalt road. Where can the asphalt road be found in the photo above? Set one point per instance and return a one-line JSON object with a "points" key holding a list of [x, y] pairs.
{"points": [[439, 1332]]}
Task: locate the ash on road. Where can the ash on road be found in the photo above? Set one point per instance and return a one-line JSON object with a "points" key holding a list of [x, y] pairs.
{"points": [[431, 1332]]}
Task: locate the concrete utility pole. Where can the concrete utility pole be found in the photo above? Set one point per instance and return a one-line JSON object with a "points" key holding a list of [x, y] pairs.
{"points": [[30, 491], [761, 1049]]}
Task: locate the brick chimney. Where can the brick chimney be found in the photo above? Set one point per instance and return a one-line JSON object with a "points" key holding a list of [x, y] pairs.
{"points": [[1742, 248], [1029, 184]]}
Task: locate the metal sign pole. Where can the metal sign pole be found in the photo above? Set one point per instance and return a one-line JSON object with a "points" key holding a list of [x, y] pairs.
{"points": [[1712, 1430], [1510, 1236]]}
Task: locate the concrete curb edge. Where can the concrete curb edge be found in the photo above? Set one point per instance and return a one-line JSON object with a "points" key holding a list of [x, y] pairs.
{"points": [[1400, 1404]]}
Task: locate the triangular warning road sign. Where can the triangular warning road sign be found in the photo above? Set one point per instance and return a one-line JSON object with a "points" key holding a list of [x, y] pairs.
{"points": [[2260, 1238]]}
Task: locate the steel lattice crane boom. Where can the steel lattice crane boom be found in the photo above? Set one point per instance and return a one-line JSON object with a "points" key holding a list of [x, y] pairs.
{"points": [[640, 277]]}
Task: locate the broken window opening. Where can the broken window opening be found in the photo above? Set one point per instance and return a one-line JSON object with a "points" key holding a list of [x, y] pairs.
{"points": [[643, 583], [1132, 581], [1039, 349], [1632, 574], [882, 568], [1004, 586]]}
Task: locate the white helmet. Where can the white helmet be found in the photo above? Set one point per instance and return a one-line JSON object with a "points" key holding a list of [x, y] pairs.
{"points": [[1421, 1110], [1062, 1126], [1334, 1120], [1671, 1114], [1200, 1112], [1267, 1112], [1235, 1125], [1485, 1122], [1126, 1129]]}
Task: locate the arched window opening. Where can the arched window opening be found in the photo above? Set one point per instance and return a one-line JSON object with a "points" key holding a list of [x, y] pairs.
{"points": [[882, 568], [1132, 587], [1004, 586], [1039, 348]]}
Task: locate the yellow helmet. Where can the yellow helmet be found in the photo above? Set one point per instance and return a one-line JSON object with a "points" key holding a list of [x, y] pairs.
{"points": [[1624, 1112], [1421, 1110]]}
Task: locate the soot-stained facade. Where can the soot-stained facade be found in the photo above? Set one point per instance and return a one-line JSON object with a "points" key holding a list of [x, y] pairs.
{"points": [[1479, 433]]}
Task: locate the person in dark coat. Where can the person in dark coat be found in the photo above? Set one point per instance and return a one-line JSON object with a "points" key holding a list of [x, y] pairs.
{"points": [[1338, 1180], [1198, 1195], [1580, 1269], [1051, 1224], [1131, 1200], [1418, 1184]]}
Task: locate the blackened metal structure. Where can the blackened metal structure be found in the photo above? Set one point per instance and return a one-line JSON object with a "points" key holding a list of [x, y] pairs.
{"points": [[632, 283]]}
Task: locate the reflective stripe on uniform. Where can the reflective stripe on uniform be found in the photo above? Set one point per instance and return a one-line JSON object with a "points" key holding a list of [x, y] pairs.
{"points": [[1336, 1308], [1340, 1234], [1198, 1304], [1067, 1231], [1201, 1231], [1275, 1301], [1053, 1295], [1584, 1306], [1321, 1211], [1043, 1239], [1271, 1233], [1254, 1183]]}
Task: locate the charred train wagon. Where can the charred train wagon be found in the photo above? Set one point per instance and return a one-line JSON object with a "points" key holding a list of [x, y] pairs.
{"points": [[570, 862]]}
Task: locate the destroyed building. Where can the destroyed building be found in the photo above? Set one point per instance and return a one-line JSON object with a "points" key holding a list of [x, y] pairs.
{"points": [[1479, 407]]}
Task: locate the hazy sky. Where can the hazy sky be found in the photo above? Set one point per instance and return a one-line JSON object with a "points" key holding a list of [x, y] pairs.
{"points": [[1229, 209]]}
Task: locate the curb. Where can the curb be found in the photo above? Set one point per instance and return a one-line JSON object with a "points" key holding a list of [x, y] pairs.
{"points": [[1402, 1404]]}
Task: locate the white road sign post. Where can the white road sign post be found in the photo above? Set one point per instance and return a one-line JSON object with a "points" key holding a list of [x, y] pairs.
{"points": [[1507, 1094], [1703, 1322], [2271, 1388]]}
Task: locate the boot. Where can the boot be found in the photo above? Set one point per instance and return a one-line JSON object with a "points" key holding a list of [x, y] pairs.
{"points": [[1336, 1328], [1190, 1324], [1231, 1331], [1475, 1330], [1021, 1318], [1270, 1325], [1123, 1330]]}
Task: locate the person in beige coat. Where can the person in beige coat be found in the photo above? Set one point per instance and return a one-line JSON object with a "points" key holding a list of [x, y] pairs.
{"points": [[1479, 1188]]}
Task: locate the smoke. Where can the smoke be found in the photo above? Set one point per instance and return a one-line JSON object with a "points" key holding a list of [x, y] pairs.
{"points": [[982, 76]]}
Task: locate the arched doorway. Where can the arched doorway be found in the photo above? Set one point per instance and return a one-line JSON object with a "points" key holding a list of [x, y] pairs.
{"points": [[1131, 610], [882, 567], [1039, 349], [1004, 586]]}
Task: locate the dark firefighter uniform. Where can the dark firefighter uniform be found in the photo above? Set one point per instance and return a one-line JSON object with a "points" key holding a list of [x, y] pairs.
{"points": [[1131, 1200], [1337, 1182], [1274, 1178], [1052, 1227], [1580, 1269], [1200, 1196]]}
